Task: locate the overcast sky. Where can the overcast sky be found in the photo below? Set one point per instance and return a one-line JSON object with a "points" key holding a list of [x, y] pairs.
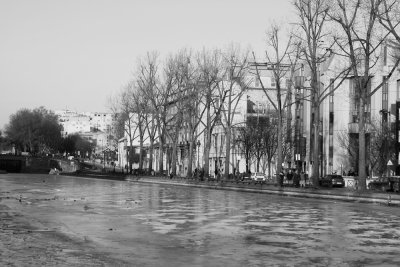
{"points": [[74, 53]]}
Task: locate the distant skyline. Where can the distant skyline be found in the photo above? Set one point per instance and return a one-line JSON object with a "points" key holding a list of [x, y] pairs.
{"points": [[75, 53]]}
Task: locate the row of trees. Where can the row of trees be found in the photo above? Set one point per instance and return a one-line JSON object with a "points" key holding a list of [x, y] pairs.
{"points": [[197, 91], [38, 131], [189, 94]]}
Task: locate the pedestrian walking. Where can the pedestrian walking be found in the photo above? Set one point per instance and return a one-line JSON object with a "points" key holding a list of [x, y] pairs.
{"points": [[296, 179], [289, 176], [303, 178], [281, 177]]}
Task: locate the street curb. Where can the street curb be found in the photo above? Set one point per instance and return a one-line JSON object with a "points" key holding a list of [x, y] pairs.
{"points": [[387, 199]]}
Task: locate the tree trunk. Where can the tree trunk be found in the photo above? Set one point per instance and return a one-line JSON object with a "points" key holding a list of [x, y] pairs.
{"points": [[141, 153], [130, 156], [173, 160], [361, 147], [207, 144], [269, 168], [280, 147], [190, 159], [151, 153], [161, 153], [315, 167], [227, 151]]}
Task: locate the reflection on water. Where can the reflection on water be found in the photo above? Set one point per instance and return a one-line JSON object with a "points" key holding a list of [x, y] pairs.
{"points": [[181, 226]]}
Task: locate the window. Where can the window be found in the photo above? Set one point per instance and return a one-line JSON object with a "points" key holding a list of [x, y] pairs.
{"points": [[354, 118], [288, 83], [330, 117], [398, 89], [385, 55], [273, 82], [385, 94], [351, 87], [256, 81]]}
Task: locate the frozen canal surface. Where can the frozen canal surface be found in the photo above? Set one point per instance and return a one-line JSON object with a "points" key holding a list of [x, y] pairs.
{"points": [[159, 225]]}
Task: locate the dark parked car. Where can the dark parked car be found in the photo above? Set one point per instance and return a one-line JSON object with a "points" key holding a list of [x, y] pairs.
{"points": [[385, 184], [245, 176], [332, 180]]}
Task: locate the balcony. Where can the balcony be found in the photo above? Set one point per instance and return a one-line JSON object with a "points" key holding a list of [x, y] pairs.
{"points": [[353, 128], [299, 81]]}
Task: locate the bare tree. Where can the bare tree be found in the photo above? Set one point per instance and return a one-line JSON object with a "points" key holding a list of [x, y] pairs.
{"points": [[270, 138], [183, 97], [127, 118], [362, 38], [389, 17], [147, 80], [244, 141], [381, 150], [317, 50], [210, 72], [194, 113], [158, 96], [351, 149], [230, 91], [281, 62], [313, 15]]}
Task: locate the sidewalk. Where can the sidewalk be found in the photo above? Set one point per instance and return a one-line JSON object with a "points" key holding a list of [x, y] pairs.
{"points": [[341, 194]]}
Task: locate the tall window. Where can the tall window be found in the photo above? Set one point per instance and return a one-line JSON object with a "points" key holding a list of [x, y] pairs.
{"points": [[398, 89], [385, 94], [273, 81], [384, 55], [256, 81]]}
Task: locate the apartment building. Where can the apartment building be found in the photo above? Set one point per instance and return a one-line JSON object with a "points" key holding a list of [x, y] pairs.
{"points": [[95, 127], [340, 113]]}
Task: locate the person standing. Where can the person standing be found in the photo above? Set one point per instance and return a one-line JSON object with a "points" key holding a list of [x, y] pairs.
{"points": [[281, 177], [289, 176], [296, 179], [303, 178]]}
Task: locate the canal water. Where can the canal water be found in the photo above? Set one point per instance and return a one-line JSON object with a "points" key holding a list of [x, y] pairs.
{"points": [[162, 225]]}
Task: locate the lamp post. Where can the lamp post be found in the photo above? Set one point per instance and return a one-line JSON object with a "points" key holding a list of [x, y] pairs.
{"points": [[198, 150], [167, 157], [385, 118], [216, 153], [126, 148]]}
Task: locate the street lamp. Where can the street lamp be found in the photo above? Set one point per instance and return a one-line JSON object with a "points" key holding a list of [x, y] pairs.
{"points": [[126, 148], [216, 153], [167, 157], [385, 118], [198, 150]]}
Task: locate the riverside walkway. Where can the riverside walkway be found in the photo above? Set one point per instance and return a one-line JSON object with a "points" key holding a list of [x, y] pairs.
{"points": [[340, 194]]}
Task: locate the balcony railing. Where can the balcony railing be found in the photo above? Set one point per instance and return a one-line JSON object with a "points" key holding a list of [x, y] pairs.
{"points": [[353, 127]]}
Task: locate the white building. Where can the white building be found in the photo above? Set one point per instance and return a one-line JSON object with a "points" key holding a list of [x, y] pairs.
{"points": [[340, 111], [75, 122], [95, 127]]}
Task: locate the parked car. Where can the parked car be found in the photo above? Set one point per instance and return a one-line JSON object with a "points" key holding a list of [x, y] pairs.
{"points": [[245, 176], [385, 184], [332, 180], [258, 177], [381, 184]]}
